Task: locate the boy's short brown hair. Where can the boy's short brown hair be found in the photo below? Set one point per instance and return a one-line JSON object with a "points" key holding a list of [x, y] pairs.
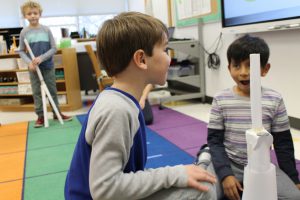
{"points": [[123, 35], [31, 4]]}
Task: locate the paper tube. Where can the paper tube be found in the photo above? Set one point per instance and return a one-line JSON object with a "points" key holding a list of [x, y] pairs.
{"points": [[255, 91]]}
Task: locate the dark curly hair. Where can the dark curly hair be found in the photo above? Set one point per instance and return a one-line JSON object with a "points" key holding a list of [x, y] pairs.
{"points": [[241, 49]]}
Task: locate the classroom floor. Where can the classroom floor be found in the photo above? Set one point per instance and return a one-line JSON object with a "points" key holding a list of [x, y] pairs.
{"points": [[191, 108], [16, 131]]}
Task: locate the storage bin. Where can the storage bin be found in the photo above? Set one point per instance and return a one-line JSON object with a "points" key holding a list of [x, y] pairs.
{"points": [[8, 64], [57, 59], [178, 71], [62, 99], [14, 101], [24, 89], [8, 89], [21, 64], [23, 77], [154, 97]]}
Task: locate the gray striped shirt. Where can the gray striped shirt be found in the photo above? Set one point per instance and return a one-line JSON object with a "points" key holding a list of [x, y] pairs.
{"points": [[41, 42], [232, 113]]}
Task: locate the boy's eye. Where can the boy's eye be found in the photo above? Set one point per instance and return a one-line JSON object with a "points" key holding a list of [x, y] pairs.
{"points": [[236, 65]]}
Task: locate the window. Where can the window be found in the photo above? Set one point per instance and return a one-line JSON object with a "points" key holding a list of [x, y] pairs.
{"points": [[89, 23], [56, 23], [92, 23]]}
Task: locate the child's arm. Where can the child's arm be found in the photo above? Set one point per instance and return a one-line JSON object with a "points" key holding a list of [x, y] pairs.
{"points": [[144, 96], [283, 142], [284, 148], [215, 140], [111, 136], [22, 52], [220, 159], [221, 164]]}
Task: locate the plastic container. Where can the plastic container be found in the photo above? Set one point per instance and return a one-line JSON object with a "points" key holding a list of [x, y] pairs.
{"points": [[65, 43], [178, 71]]}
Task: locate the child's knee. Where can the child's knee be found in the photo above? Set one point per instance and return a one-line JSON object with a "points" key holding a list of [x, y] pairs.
{"points": [[211, 194]]}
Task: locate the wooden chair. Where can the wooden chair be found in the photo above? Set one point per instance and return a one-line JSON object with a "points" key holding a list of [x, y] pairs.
{"points": [[102, 80]]}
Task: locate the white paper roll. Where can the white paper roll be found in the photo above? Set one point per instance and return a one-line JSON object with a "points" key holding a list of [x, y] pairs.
{"points": [[255, 91]]}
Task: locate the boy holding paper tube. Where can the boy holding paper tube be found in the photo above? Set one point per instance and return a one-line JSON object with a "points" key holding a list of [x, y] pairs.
{"points": [[230, 117], [42, 43]]}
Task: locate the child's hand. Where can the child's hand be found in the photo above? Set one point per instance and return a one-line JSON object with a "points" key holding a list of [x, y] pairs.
{"points": [[196, 175], [231, 186], [298, 186], [31, 67], [37, 61]]}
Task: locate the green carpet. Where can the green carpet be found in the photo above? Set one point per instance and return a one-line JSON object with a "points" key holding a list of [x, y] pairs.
{"points": [[49, 153]]}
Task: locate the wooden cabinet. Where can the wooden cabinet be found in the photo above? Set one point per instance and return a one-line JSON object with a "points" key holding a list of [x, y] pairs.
{"points": [[15, 87]]}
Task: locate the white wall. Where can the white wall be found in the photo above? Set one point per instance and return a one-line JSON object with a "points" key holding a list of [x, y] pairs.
{"points": [[136, 5], [284, 75]]}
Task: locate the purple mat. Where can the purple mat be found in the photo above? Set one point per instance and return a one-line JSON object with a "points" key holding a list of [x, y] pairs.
{"points": [[186, 132]]}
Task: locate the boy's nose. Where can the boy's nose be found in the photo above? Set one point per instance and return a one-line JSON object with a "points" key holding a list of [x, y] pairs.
{"points": [[245, 70]]}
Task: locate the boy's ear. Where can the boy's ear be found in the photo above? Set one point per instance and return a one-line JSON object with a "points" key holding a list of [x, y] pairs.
{"points": [[265, 70], [139, 59]]}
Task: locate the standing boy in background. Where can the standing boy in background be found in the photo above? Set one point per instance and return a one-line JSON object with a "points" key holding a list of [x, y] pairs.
{"points": [[43, 46], [230, 117], [110, 155]]}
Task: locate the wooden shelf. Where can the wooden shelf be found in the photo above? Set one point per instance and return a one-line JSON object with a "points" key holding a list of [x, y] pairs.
{"points": [[60, 81], [9, 83], [30, 107], [70, 83], [24, 95], [25, 70], [13, 70], [59, 67], [19, 83]]}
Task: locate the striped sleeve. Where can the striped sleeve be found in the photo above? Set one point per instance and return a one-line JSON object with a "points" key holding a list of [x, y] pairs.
{"points": [[280, 121], [216, 120]]}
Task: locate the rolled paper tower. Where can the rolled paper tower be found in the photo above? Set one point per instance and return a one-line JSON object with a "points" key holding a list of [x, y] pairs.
{"points": [[255, 92]]}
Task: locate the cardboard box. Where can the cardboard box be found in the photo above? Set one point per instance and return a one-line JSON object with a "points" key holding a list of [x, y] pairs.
{"points": [[8, 64]]}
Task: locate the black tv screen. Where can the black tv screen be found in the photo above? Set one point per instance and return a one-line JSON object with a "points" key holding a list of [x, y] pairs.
{"points": [[247, 12]]}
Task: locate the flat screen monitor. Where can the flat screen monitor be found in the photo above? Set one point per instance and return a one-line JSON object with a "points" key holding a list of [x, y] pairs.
{"points": [[260, 15]]}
